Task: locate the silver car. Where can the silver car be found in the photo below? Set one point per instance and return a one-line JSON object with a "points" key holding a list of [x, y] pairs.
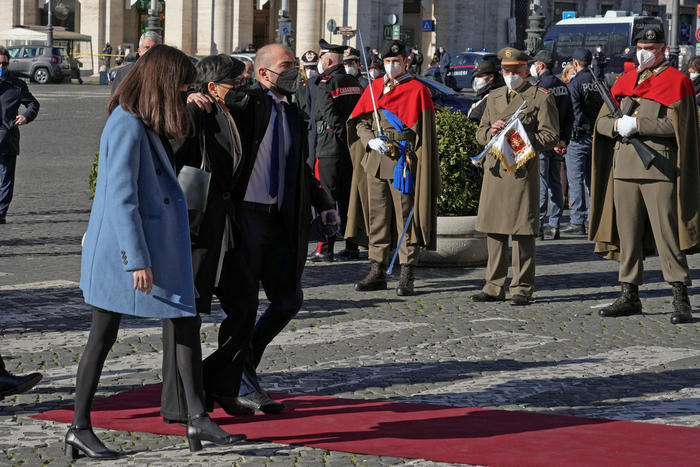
{"points": [[40, 63]]}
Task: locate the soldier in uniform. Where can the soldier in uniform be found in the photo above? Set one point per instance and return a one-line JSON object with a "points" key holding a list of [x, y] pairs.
{"points": [[336, 96], [351, 61], [629, 203], [586, 102], [306, 96], [509, 203], [486, 79], [395, 171], [550, 161]]}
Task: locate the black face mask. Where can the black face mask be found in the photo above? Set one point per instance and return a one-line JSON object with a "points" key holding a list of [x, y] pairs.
{"points": [[287, 81]]}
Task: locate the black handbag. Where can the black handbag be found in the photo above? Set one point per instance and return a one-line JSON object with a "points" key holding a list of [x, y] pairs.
{"points": [[195, 184]]}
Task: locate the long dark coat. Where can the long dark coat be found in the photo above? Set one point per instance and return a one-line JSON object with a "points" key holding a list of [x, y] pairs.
{"points": [[251, 111]]}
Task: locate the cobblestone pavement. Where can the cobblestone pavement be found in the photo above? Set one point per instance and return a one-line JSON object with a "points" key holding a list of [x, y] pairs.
{"points": [[555, 356]]}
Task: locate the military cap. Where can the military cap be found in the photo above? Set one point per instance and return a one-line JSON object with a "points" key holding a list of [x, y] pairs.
{"points": [[485, 67], [351, 54], [331, 48], [582, 54], [394, 49], [511, 56], [310, 58], [545, 57], [649, 34]]}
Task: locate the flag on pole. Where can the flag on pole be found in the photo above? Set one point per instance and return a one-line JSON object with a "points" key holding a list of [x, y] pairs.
{"points": [[513, 147]]}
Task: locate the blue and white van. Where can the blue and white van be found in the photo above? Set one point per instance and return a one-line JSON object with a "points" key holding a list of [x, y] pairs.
{"points": [[613, 32]]}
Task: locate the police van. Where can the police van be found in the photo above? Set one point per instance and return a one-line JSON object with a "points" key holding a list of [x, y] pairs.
{"points": [[612, 32]]}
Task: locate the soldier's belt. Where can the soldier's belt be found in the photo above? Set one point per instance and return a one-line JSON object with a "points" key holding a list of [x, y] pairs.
{"points": [[395, 136]]}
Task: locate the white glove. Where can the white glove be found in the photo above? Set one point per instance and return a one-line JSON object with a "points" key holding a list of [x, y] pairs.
{"points": [[379, 145], [627, 126]]}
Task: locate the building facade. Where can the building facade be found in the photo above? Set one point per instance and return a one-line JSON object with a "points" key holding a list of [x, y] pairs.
{"points": [[203, 27]]}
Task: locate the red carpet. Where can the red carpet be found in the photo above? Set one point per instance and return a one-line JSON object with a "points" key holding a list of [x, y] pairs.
{"points": [[424, 431]]}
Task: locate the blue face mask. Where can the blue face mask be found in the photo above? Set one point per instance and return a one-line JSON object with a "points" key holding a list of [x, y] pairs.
{"points": [[3, 72]]}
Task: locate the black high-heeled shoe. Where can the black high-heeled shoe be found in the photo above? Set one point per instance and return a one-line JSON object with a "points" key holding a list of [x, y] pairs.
{"points": [[75, 445], [195, 435], [231, 405]]}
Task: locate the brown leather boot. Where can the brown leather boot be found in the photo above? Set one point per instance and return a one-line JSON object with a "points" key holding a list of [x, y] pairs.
{"points": [[375, 278]]}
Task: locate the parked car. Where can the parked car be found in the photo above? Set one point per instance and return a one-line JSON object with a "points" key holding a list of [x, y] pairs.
{"points": [[462, 68], [40, 63], [446, 97]]}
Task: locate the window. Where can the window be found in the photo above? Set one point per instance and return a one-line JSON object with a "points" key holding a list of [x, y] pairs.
{"points": [[14, 51], [29, 52]]}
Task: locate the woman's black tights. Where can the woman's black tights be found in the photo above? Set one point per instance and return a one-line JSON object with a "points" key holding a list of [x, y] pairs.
{"points": [[103, 334]]}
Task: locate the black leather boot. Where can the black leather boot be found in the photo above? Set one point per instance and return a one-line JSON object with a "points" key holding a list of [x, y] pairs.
{"points": [[682, 313], [405, 281], [374, 280], [628, 303]]}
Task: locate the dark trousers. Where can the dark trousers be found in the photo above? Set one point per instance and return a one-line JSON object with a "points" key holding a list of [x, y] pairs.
{"points": [[263, 254], [335, 175], [8, 163]]}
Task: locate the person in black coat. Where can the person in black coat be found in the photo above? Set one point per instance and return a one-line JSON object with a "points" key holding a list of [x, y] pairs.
{"points": [[213, 139], [13, 93], [694, 72], [306, 99], [273, 191], [486, 79]]}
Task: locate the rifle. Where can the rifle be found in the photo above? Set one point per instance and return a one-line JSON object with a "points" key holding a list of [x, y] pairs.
{"points": [[516, 114], [645, 153]]}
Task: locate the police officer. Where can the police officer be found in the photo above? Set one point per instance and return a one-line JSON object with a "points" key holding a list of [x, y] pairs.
{"points": [[337, 94], [306, 96], [586, 103], [486, 79], [509, 202], [550, 161], [351, 62]]}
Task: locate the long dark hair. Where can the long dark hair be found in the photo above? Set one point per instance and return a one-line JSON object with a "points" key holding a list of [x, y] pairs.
{"points": [[151, 91]]}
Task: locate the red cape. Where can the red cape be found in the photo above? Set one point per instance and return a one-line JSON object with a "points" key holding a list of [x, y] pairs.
{"points": [[407, 104], [667, 87]]}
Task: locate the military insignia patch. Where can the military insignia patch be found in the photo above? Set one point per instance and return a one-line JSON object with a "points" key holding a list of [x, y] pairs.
{"points": [[309, 56], [651, 34], [395, 49], [509, 53]]}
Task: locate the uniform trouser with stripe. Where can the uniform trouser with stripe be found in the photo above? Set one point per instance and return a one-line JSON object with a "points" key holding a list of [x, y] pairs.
{"points": [[388, 206], [523, 282], [634, 201]]}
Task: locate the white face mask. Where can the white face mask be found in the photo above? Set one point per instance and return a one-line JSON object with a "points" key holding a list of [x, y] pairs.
{"points": [[645, 58], [351, 70], [374, 73], [513, 81], [533, 71], [320, 67], [479, 83], [393, 70], [693, 75]]}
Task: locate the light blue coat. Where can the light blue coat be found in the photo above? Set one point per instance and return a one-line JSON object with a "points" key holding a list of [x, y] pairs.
{"points": [[138, 219]]}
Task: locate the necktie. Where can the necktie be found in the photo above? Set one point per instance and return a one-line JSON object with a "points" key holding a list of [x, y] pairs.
{"points": [[276, 149]]}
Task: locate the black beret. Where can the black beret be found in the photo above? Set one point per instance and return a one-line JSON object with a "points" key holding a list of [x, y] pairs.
{"points": [[394, 49], [331, 48], [485, 67], [310, 58], [545, 57], [582, 54], [649, 34]]}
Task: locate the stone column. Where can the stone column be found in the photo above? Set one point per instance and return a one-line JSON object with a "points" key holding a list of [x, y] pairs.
{"points": [[222, 26], [103, 21], [308, 26], [205, 27], [243, 23], [179, 25]]}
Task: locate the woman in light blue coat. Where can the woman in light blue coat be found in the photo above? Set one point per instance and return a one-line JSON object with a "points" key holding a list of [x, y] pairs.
{"points": [[136, 256]]}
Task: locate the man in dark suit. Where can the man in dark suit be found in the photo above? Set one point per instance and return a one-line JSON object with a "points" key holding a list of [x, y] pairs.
{"points": [[13, 93], [273, 192]]}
